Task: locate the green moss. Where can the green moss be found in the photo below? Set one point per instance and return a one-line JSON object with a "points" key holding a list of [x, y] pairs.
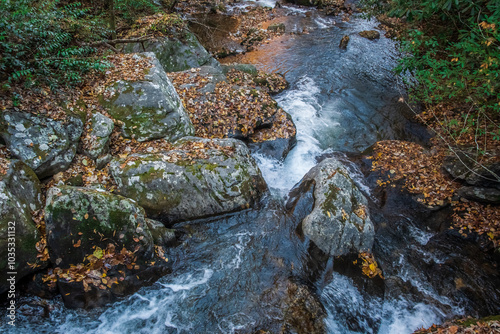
{"points": [[330, 197]]}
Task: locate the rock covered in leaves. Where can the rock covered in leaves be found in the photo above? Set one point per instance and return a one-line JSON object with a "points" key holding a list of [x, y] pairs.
{"points": [[176, 53], [101, 244], [237, 105], [338, 221], [97, 141], [44, 144], [20, 194], [370, 34], [148, 108], [78, 219], [197, 178]]}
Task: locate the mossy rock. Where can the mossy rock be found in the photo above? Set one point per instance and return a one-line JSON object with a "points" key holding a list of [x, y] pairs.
{"points": [[370, 34], [80, 219], [149, 108], [19, 195], [47, 146], [178, 186], [339, 222]]}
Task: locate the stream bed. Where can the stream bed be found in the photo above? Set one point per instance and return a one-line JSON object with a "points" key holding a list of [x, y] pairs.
{"points": [[230, 273]]}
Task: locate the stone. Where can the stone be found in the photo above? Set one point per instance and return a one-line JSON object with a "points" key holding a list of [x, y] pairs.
{"points": [[339, 222], [343, 42], [179, 185], [277, 27], [246, 68], [178, 53], [478, 194], [101, 129], [150, 108], [463, 165], [370, 34], [47, 146], [20, 193], [162, 236], [92, 218], [276, 149]]}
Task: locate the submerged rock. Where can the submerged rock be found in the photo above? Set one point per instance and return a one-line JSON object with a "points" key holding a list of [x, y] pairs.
{"points": [[19, 195], [149, 108], [370, 34], [176, 53], [339, 222], [343, 42], [47, 146], [199, 178]]}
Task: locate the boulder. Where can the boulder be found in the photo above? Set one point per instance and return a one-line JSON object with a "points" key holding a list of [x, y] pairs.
{"points": [[464, 166], [177, 53], [47, 146], [198, 178], [370, 34], [19, 195], [100, 131], [478, 194], [102, 246], [246, 68], [79, 219], [276, 149], [162, 236], [148, 108], [339, 222]]}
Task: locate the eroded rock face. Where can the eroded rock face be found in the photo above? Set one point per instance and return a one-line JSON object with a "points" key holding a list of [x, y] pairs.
{"points": [[19, 195], [176, 53], [149, 108], [45, 145], [178, 185], [339, 222]]}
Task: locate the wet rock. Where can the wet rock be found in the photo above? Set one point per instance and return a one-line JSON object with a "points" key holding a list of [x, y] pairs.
{"points": [[45, 145], [150, 108], [19, 195], [276, 149], [464, 166], [89, 218], [339, 222], [370, 34], [179, 185], [478, 194], [304, 312], [343, 42], [277, 27], [101, 128], [178, 53]]}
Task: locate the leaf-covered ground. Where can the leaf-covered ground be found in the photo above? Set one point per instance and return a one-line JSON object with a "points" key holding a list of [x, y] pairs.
{"points": [[489, 325], [423, 176]]}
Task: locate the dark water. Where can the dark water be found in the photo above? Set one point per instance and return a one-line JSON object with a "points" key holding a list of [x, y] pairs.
{"points": [[229, 274]]}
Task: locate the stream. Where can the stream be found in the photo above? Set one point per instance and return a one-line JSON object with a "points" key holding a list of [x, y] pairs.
{"points": [[230, 273]]}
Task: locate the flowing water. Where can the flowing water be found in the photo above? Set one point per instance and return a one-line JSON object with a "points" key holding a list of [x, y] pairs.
{"points": [[229, 273]]}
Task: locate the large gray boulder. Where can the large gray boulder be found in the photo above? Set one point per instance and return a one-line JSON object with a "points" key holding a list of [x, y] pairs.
{"points": [[149, 108], [47, 146], [176, 53], [19, 195], [338, 221], [198, 178]]}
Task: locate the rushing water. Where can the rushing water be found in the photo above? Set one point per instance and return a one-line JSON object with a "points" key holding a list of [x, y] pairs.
{"points": [[229, 273]]}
